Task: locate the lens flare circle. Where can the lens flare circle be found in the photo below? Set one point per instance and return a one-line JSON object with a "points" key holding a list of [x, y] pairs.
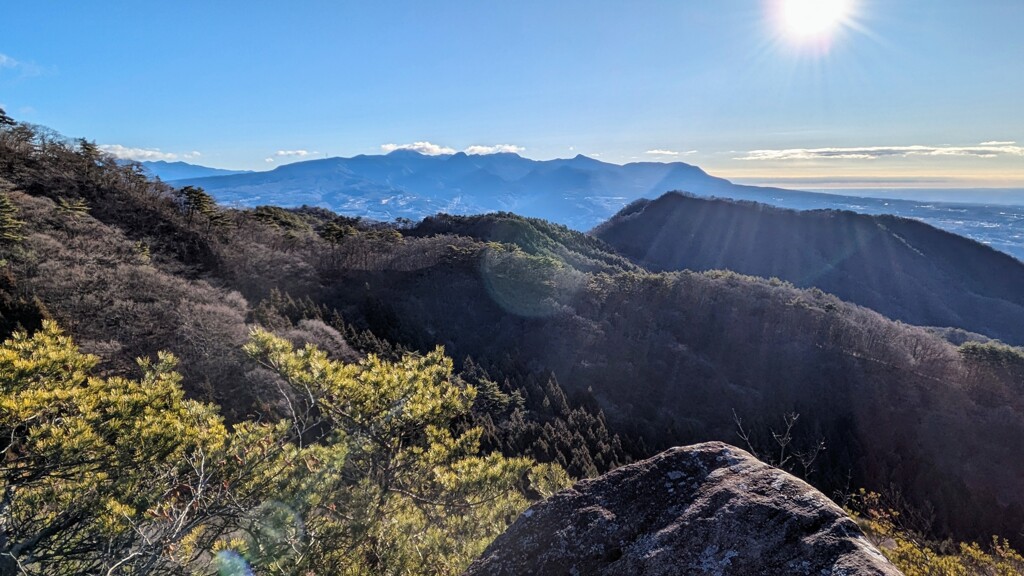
{"points": [[231, 563], [813, 18]]}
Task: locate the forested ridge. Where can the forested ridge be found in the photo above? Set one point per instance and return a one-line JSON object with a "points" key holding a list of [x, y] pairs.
{"points": [[903, 268], [564, 352]]}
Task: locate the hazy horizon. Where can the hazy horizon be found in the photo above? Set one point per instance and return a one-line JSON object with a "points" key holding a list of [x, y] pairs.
{"points": [[941, 191]]}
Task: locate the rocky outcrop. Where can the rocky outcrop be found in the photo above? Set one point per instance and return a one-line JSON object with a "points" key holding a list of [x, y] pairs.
{"points": [[705, 509]]}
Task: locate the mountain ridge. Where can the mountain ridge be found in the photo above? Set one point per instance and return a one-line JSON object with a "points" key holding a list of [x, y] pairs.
{"points": [[900, 267], [168, 171], [579, 192]]}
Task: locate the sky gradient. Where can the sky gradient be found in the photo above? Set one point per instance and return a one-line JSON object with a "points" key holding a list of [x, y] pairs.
{"points": [[902, 93]]}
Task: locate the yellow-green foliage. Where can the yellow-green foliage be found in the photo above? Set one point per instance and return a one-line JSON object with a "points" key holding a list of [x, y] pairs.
{"points": [[87, 458], [916, 557], [993, 354], [526, 284], [415, 497], [74, 207], [281, 218], [373, 475], [10, 226]]}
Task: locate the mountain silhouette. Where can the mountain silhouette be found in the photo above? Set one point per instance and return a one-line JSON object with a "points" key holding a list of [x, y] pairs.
{"points": [[903, 268], [168, 171]]}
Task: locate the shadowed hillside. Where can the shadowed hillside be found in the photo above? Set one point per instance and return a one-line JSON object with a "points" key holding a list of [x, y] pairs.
{"points": [[132, 267], [905, 269], [533, 236], [581, 357]]}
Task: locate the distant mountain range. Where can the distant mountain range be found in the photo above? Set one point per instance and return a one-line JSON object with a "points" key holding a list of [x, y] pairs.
{"points": [[902, 268], [578, 192], [168, 171]]}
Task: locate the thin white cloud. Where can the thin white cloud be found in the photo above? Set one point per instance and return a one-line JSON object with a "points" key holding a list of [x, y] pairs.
{"points": [[999, 143], [126, 153], [297, 153], [268, 160], [984, 150], [26, 69], [143, 154], [496, 149], [428, 148], [431, 149], [663, 152]]}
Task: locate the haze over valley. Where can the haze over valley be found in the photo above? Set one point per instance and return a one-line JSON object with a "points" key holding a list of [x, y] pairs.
{"points": [[578, 192]]}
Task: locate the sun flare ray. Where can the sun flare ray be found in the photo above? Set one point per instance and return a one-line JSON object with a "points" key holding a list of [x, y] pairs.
{"points": [[806, 18], [813, 24]]}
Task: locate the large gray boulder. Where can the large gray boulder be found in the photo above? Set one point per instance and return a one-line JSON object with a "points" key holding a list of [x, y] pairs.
{"points": [[704, 509]]}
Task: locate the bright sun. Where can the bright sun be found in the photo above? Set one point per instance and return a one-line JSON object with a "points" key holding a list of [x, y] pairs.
{"points": [[813, 18]]}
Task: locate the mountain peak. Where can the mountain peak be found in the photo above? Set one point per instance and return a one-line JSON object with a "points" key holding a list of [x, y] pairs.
{"points": [[405, 153], [835, 251], [178, 170]]}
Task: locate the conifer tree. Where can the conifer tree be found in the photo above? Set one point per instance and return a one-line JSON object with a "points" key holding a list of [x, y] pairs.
{"points": [[10, 226], [88, 150], [419, 498], [195, 201], [371, 475], [73, 207], [89, 461]]}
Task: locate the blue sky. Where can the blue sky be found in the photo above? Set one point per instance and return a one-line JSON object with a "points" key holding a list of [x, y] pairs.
{"points": [[900, 92]]}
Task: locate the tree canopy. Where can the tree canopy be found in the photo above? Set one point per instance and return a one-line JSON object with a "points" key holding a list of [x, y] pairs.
{"points": [[372, 475]]}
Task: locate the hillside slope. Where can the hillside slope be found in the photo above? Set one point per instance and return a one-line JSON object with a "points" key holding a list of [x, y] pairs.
{"points": [[131, 267], [583, 358], [671, 358], [905, 269]]}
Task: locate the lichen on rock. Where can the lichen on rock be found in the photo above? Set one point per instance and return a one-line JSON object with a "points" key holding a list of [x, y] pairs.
{"points": [[707, 509]]}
